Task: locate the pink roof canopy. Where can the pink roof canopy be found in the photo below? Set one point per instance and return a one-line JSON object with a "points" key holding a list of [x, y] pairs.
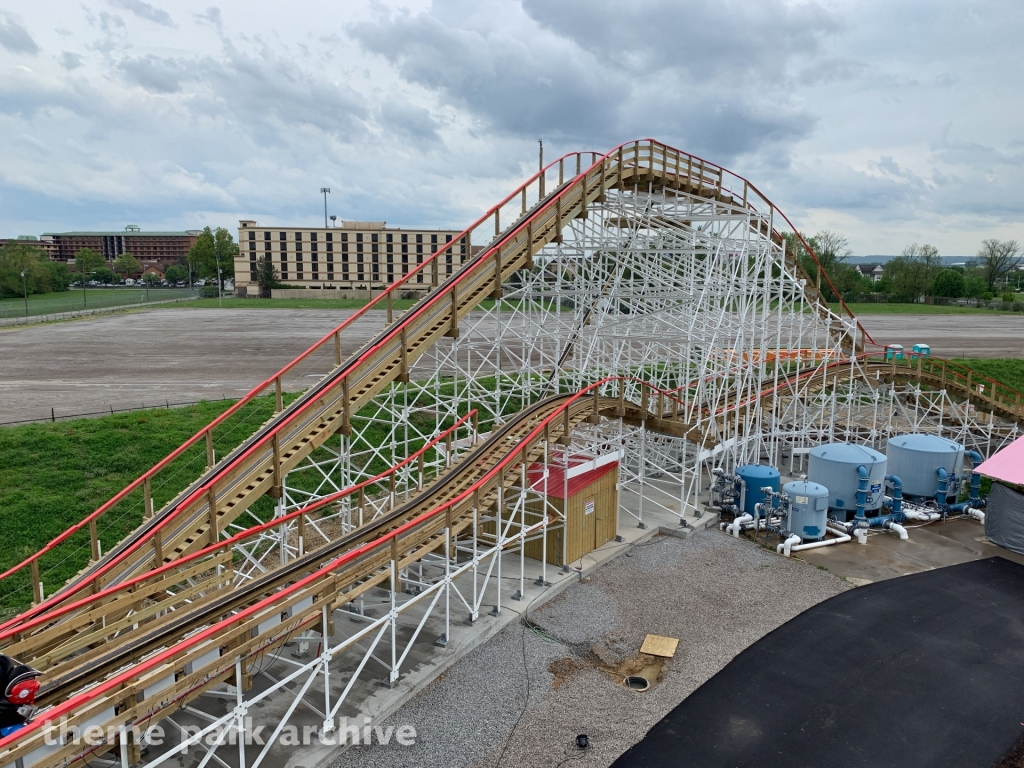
{"points": [[1006, 464]]}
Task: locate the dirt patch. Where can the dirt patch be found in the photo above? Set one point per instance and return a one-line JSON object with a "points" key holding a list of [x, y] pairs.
{"points": [[564, 668]]}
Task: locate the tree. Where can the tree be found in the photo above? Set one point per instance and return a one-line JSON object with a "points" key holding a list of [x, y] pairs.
{"points": [[60, 276], [974, 287], [126, 265], [16, 258], [266, 274], [176, 272], [949, 283], [913, 272], [213, 247], [831, 249], [86, 262], [997, 258]]}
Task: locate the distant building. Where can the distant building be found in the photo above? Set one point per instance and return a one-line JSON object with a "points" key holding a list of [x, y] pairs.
{"points": [[873, 272], [357, 255], [45, 245], [158, 247]]}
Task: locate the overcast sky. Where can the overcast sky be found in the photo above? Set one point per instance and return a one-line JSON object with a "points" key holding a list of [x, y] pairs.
{"points": [[892, 121]]}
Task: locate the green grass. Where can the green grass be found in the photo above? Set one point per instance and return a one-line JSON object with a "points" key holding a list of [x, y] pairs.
{"points": [[1008, 371], [912, 309], [54, 474], [95, 298]]}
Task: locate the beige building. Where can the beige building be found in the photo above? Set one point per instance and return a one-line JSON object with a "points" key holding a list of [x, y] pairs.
{"points": [[358, 255]]}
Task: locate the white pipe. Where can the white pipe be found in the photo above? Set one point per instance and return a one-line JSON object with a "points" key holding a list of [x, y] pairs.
{"points": [[976, 513], [862, 535], [898, 529], [919, 514], [734, 526], [786, 547], [840, 538]]}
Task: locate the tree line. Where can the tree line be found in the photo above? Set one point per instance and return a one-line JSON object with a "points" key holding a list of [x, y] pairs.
{"points": [[213, 247], [916, 273]]}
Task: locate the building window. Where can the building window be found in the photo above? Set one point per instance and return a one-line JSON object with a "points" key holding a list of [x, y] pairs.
{"points": [[283, 236], [330, 238], [330, 258], [330, 247], [284, 274], [373, 238], [312, 236], [298, 246], [316, 275], [266, 235], [252, 235], [298, 236], [252, 246]]}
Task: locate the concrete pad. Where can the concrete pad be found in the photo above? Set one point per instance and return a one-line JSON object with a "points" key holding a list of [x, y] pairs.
{"points": [[930, 546]]}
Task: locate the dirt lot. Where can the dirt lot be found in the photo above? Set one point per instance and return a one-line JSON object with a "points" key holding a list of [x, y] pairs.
{"points": [[149, 357], [951, 335]]}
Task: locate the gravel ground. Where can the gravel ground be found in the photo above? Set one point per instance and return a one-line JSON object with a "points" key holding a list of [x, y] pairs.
{"points": [[716, 594]]}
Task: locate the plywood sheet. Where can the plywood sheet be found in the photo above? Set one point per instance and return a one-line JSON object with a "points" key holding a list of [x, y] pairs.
{"points": [[656, 645]]}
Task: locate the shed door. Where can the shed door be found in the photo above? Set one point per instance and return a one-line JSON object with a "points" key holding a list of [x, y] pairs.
{"points": [[606, 515]]}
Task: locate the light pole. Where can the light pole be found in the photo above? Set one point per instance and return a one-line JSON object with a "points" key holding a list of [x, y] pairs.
{"points": [[220, 300], [24, 290], [325, 191], [334, 220]]}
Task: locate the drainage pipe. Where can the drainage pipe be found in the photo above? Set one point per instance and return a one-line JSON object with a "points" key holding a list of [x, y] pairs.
{"points": [[787, 546], [977, 514], [862, 496], [841, 537], [897, 528]]}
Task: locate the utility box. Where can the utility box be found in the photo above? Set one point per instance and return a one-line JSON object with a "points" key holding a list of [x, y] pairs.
{"points": [[589, 500]]}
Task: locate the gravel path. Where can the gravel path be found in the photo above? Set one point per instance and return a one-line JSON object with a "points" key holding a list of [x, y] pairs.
{"points": [[716, 594]]}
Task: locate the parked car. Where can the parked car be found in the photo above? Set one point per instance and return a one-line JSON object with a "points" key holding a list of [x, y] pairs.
{"points": [[129, 281], [180, 283], [200, 283]]}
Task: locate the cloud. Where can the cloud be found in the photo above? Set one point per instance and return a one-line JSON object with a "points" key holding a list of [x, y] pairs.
{"points": [[212, 16], [705, 39], [70, 61], [14, 37], [155, 74], [145, 11]]}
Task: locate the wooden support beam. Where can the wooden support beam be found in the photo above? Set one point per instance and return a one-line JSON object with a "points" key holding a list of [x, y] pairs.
{"points": [[275, 445], [147, 499], [337, 347], [566, 437], [278, 396], [558, 220], [210, 459], [211, 501], [346, 407], [497, 292], [94, 541], [391, 306], [453, 327], [37, 584], [403, 375]]}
